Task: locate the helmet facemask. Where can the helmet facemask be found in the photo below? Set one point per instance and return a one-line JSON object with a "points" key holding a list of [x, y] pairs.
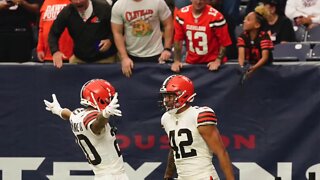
{"points": [[180, 87], [96, 93]]}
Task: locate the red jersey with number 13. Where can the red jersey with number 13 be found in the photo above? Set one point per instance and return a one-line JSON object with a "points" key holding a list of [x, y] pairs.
{"points": [[204, 35]]}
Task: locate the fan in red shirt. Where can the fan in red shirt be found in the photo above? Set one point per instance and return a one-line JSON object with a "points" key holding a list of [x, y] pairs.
{"points": [[48, 13], [206, 34]]}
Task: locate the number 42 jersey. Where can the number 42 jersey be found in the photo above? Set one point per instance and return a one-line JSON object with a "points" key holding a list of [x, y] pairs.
{"points": [[193, 158], [102, 151]]}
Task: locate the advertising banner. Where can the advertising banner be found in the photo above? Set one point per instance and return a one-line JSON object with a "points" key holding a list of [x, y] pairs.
{"points": [[270, 124]]}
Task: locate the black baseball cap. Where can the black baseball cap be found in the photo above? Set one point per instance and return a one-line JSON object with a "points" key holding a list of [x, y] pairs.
{"points": [[272, 2]]}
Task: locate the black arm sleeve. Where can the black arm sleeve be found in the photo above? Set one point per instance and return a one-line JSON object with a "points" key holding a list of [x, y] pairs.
{"points": [[108, 14], [57, 28]]}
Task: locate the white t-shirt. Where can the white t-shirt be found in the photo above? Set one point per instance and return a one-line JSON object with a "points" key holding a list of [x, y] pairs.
{"points": [[193, 157], [102, 150], [296, 8], [141, 21]]}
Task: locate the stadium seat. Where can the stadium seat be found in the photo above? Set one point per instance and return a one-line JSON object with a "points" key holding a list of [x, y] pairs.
{"points": [[291, 52], [314, 34], [315, 53], [300, 32]]}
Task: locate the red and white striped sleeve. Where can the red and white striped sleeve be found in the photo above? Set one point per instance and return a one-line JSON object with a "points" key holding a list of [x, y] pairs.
{"points": [[206, 116], [90, 117]]}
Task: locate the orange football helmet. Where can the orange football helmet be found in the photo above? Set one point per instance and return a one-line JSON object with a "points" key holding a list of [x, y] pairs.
{"points": [[183, 89], [97, 93]]}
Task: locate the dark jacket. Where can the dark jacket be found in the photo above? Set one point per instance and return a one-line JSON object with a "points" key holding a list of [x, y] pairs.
{"points": [[86, 35]]}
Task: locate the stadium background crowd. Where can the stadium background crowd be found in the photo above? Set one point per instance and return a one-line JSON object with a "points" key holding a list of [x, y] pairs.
{"points": [[25, 27]]}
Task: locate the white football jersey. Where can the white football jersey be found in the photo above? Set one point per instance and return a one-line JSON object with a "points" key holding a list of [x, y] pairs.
{"points": [[193, 158], [102, 151]]}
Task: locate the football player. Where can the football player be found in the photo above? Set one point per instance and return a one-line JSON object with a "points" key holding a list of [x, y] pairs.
{"points": [[90, 126], [193, 134]]}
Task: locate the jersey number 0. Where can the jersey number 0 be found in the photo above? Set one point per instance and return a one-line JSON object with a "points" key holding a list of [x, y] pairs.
{"points": [[96, 157]]}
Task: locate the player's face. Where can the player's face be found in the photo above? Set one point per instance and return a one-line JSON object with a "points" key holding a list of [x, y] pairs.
{"points": [[250, 22], [169, 100], [81, 5], [198, 5]]}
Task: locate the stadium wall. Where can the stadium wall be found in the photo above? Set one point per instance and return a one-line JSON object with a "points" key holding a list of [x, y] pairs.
{"points": [[270, 124]]}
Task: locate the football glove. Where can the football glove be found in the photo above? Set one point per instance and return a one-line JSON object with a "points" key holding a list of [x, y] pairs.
{"points": [[112, 108], [53, 106]]}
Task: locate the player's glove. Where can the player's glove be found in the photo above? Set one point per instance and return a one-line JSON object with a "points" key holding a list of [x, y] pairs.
{"points": [[168, 178], [112, 108], [53, 106]]}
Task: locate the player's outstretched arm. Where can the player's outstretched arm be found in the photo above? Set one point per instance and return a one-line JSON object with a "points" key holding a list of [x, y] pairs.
{"points": [[211, 135], [56, 109], [171, 168], [104, 115]]}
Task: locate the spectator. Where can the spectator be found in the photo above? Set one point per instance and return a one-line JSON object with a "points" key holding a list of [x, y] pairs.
{"points": [[48, 13], [16, 35], [252, 4], [206, 34], [137, 34], [193, 134], [178, 4], [304, 12], [254, 44], [90, 125], [88, 22], [279, 27]]}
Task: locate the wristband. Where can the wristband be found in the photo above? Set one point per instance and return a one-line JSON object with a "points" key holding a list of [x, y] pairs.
{"points": [[167, 49]]}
